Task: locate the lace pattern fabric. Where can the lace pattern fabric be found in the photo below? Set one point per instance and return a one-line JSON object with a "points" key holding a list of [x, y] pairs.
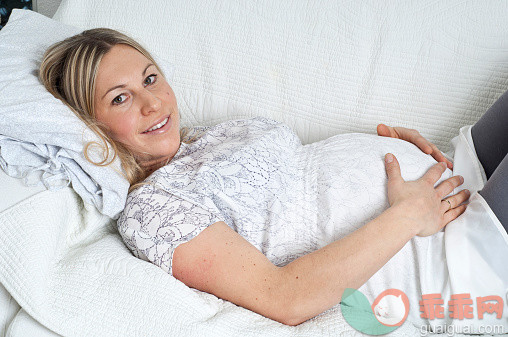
{"points": [[233, 168]]}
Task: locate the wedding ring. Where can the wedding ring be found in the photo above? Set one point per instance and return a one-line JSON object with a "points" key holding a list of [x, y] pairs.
{"points": [[449, 203]]}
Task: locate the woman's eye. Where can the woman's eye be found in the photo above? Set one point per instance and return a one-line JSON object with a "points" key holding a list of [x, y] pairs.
{"points": [[118, 99], [151, 79]]}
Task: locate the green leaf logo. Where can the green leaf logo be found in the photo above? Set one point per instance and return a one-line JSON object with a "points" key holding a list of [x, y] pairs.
{"points": [[387, 313]]}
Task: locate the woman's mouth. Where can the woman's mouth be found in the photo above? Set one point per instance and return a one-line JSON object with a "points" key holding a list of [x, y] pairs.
{"points": [[158, 127]]}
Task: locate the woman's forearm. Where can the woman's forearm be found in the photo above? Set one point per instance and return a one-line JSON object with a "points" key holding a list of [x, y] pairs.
{"points": [[315, 282]]}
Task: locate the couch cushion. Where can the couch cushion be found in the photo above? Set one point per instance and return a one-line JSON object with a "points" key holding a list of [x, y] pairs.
{"points": [[322, 67]]}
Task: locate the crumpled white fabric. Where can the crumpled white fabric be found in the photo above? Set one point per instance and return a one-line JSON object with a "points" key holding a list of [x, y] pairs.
{"points": [[475, 246]]}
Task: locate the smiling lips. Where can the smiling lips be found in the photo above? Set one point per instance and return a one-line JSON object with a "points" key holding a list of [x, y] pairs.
{"points": [[158, 126]]}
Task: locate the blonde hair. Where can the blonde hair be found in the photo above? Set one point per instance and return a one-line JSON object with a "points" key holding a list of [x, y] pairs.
{"points": [[68, 71]]}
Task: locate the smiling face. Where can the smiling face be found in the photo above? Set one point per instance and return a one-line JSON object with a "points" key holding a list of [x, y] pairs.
{"points": [[138, 106]]}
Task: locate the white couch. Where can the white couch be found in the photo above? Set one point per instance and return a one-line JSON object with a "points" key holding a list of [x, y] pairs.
{"points": [[323, 68]]}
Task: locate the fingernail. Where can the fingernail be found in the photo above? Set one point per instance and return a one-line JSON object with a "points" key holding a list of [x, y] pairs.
{"points": [[389, 158], [461, 179]]}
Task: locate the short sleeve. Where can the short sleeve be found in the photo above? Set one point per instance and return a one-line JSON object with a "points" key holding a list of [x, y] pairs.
{"points": [[154, 222]]}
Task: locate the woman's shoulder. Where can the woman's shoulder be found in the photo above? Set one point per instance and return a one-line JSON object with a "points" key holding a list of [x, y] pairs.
{"points": [[260, 121], [241, 123], [232, 129]]}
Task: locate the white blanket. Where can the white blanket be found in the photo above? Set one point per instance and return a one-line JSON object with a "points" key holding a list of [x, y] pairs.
{"points": [[67, 267]]}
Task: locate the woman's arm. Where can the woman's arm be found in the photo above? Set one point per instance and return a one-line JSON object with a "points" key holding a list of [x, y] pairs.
{"points": [[221, 262]]}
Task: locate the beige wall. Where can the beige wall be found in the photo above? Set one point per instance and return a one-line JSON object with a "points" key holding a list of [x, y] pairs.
{"points": [[46, 7]]}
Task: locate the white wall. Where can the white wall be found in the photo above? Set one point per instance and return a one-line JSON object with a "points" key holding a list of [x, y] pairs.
{"points": [[46, 7]]}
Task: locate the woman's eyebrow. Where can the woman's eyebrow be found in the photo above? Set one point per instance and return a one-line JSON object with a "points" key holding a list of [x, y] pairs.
{"points": [[123, 85], [148, 66]]}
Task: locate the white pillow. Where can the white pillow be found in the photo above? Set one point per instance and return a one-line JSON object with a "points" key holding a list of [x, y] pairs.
{"points": [[14, 191], [41, 140]]}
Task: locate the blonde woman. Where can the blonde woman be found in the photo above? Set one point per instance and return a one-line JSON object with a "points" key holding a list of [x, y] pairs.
{"points": [[207, 209]]}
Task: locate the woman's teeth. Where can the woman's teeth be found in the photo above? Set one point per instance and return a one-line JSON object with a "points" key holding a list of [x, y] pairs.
{"points": [[158, 126]]}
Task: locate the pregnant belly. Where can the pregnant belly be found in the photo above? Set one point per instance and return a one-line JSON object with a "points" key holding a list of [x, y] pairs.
{"points": [[342, 187], [348, 177]]}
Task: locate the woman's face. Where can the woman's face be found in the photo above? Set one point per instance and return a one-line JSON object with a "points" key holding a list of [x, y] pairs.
{"points": [[137, 105]]}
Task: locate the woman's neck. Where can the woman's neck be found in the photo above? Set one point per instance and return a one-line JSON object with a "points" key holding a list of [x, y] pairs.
{"points": [[153, 165]]}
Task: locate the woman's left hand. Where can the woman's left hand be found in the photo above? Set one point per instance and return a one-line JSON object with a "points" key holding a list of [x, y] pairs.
{"points": [[414, 137]]}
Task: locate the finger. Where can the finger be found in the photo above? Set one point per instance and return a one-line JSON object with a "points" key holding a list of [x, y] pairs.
{"points": [[438, 156], [414, 137], [429, 148], [392, 168], [455, 200], [386, 131], [423, 144], [434, 173], [446, 205], [460, 197], [446, 187], [382, 130], [453, 214], [443, 159]]}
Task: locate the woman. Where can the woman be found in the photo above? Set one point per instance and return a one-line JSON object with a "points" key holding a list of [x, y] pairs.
{"points": [[116, 87]]}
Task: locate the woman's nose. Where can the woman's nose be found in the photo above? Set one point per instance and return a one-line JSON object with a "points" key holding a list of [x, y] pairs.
{"points": [[151, 103]]}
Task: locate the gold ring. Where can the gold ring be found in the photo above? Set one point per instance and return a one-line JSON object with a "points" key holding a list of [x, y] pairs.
{"points": [[449, 203]]}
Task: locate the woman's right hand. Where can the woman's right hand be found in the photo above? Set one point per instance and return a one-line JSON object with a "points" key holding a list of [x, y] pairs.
{"points": [[423, 203]]}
